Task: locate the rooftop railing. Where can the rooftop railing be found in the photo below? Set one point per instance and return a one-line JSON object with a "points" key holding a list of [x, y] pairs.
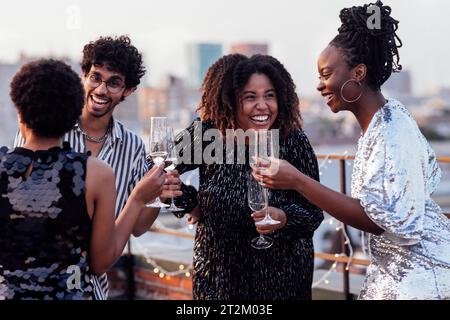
{"points": [[343, 257]]}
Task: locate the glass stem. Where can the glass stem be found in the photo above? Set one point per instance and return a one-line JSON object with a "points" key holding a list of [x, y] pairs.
{"points": [[266, 200]]}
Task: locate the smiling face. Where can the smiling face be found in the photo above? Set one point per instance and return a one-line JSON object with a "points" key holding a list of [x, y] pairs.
{"points": [[333, 74], [100, 101], [258, 104]]}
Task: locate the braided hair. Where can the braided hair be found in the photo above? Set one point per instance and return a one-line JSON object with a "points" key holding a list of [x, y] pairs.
{"points": [[376, 48], [218, 103], [288, 118]]}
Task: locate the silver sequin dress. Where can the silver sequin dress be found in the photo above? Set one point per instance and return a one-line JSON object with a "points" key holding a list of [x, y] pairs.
{"points": [[395, 173]]}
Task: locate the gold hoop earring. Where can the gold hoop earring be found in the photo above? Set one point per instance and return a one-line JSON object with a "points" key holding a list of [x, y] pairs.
{"points": [[342, 91]]}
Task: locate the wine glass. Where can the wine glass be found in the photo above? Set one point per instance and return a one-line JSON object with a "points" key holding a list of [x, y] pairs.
{"points": [[257, 201], [263, 150], [158, 149], [171, 162]]}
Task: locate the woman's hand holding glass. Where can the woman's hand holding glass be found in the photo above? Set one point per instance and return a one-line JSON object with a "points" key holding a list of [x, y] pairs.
{"points": [[172, 186], [151, 185], [194, 216], [278, 174], [171, 162], [275, 213], [158, 149], [258, 202], [263, 153]]}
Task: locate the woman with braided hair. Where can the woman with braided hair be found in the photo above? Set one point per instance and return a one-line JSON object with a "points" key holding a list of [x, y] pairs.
{"points": [[249, 93], [395, 170]]}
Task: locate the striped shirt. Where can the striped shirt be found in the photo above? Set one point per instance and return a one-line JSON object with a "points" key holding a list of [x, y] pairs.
{"points": [[124, 151]]}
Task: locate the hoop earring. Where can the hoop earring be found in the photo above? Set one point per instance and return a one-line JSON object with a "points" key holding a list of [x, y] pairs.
{"points": [[342, 91]]}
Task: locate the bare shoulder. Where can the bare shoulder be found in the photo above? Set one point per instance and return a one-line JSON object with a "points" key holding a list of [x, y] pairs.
{"points": [[99, 171]]}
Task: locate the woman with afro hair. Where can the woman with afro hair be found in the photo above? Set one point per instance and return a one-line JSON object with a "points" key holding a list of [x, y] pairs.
{"points": [[57, 225]]}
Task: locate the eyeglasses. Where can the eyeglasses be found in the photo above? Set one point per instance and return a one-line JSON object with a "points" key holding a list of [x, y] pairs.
{"points": [[114, 85]]}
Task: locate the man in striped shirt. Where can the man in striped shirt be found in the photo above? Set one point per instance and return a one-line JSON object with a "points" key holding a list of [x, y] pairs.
{"points": [[112, 69]]}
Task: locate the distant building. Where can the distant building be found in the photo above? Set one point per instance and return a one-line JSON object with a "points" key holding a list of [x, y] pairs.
{"points": [[127, 112], [200, 57], [399, 84], [8, 114], [173, 100], [249, 49]]}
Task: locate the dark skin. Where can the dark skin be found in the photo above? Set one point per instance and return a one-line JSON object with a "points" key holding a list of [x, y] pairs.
{"points": [[334, 71]]}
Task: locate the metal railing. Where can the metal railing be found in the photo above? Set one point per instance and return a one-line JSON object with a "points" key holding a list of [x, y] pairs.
{"points": [[344, 257]]}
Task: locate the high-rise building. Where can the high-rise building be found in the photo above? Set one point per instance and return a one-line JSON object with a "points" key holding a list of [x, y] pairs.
{"points": [[249, 49], [171, 100], [200, 57]]}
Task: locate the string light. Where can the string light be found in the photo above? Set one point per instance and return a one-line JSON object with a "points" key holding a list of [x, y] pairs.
{"points": [[363, 243], [348, 243], [322, 163], [324, 277], [340, 228], [160, 270]]}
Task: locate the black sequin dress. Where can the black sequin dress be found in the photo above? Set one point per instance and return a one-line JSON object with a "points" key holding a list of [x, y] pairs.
{"points": [[225, 265], [45, 228]]}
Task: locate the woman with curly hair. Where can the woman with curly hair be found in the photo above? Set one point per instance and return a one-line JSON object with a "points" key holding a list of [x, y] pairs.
{"points": [[57, 225], [249, 93], [395, 170]]}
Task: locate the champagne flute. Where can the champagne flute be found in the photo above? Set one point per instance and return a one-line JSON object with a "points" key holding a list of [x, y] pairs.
{"points": [[257, 201], [263, 151], [158, 149], [171, 163]]}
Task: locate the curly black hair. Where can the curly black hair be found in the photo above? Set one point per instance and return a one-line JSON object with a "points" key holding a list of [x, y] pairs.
{"points": [[376, 48], [289, 117], [218, 103], [118, 54], [48, 96]]}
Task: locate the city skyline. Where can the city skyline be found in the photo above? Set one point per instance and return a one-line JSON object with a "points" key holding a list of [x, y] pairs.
{"points": [[295, 32]]}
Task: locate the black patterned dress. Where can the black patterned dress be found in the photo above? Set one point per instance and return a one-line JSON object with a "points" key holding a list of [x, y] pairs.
{"points": [[45, 228], [225, 265]]}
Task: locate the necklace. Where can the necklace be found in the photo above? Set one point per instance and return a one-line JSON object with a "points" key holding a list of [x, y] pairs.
{"points": [[95, 139]]}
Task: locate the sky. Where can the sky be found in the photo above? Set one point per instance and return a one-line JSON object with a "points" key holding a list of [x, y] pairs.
{"points": [[296, 30]]}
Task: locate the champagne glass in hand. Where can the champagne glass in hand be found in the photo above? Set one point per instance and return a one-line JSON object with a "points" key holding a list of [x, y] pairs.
{"points": [[257, 201], [158, 149], [263, 152], [171, 163]]}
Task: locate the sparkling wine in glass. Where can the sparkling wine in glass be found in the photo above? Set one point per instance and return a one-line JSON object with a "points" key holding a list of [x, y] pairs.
{"points": [[263, 150], [257, 201], [158, 149], [170, 164]]}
